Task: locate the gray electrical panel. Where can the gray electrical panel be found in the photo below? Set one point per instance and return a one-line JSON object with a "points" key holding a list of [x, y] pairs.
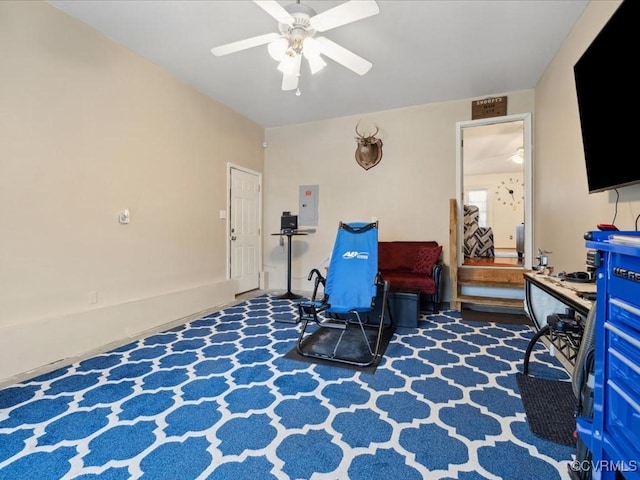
{"points": [[308, 205]]}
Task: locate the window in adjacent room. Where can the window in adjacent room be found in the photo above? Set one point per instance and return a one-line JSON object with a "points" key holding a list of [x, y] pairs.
{"points": [[479, 197]]}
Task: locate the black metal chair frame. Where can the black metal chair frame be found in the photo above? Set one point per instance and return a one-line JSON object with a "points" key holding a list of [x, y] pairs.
{"points": [[315, 311]]}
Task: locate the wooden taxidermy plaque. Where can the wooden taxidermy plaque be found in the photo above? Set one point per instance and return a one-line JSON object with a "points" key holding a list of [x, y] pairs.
{"points": [[369, 150]]}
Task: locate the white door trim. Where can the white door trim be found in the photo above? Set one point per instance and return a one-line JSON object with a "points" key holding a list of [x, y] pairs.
{"points": [[528, 178]]}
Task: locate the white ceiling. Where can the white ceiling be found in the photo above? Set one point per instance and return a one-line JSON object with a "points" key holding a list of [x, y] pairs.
{"points": [[423, 51], [489, 148]]}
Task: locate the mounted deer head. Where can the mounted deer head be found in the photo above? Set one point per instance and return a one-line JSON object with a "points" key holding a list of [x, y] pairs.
{"points": [[369, 151]]}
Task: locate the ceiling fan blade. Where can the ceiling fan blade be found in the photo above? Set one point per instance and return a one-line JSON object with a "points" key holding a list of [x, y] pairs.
{"points": [[276, 10], [290, 79], [289, 82], [347, 12], [244, 44], [343, 56]]}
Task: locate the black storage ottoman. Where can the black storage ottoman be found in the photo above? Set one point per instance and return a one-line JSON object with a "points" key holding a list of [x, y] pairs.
{"points": [[404, 305]]}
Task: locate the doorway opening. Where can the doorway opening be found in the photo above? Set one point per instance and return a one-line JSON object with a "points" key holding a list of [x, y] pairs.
{"points": [[494, 192]]}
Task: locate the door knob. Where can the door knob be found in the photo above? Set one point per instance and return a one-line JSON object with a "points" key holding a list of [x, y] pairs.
{"points": [[233, 237]]}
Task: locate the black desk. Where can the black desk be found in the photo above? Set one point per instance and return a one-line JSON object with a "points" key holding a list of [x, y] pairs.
{"points": [[289, 295], [566, 294], [545, 295]]}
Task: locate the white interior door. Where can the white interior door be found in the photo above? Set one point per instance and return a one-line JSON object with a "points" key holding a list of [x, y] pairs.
{"points": [[244, 229]]}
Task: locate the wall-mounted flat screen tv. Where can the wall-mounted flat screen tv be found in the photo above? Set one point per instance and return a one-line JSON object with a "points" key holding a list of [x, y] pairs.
{"points": [[607, 88]]}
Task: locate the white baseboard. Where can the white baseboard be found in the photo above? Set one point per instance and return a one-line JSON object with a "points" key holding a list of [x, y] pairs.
{"points": [[41, 345]]}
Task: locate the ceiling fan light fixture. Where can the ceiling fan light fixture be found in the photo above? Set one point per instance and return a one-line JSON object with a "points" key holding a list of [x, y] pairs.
{"points": [[290, 64], [278, 49], [316, 63], [311, 52], [518, 157], [287, 65]]}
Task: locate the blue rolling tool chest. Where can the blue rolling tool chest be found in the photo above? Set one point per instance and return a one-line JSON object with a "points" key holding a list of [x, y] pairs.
{"points": [[613, 434]]}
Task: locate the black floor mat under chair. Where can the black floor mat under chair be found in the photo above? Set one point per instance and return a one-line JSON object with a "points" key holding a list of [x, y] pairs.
{"points": [[323, 340]]}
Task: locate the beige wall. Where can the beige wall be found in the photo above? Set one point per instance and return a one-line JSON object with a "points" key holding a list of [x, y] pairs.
{"points": [[88, 129], [564, 210], [408, 191]]}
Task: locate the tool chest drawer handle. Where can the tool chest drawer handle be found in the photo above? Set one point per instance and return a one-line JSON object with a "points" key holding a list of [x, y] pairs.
{"points": [[625, 306], [625, 360], [622, 334], [625, 396]]}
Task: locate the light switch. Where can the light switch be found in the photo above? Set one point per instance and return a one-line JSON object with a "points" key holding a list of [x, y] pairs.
{"points": [[124, 216]]}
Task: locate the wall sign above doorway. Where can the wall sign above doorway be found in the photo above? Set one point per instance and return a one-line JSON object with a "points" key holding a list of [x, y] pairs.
{"points": [[488, 107]]}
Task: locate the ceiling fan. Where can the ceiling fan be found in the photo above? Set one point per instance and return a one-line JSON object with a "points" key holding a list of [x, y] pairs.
{"points": [[518, 157], [298, 24], [515, 156]]}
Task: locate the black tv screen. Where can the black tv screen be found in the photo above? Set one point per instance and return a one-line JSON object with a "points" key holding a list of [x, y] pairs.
{"points": [[607, 91]]}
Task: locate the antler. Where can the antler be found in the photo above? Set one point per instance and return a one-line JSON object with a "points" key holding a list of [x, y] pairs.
{"points": [[365, 137]]}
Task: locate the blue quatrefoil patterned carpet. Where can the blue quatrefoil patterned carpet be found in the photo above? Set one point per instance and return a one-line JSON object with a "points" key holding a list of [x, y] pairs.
{"points": [[216, 399]]}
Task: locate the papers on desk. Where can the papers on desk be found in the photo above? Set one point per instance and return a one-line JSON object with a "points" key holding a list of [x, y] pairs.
{"points": [[559, 282]]}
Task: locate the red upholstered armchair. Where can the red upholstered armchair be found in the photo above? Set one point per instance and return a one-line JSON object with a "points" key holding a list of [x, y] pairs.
{"points": [[415, 265]]}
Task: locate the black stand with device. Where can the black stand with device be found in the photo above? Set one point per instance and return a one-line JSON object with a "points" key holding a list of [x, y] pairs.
{"points": [[289, 295]]}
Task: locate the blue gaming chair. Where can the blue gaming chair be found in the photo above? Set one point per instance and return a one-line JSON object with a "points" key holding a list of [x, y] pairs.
{"points": [[346, 329]]}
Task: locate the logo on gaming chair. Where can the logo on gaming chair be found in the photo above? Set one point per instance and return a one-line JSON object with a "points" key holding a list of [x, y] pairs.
{"points": [[355, 254]]}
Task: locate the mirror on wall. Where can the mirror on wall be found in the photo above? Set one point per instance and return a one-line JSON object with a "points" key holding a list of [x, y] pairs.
{"points": [[494, 191]]}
